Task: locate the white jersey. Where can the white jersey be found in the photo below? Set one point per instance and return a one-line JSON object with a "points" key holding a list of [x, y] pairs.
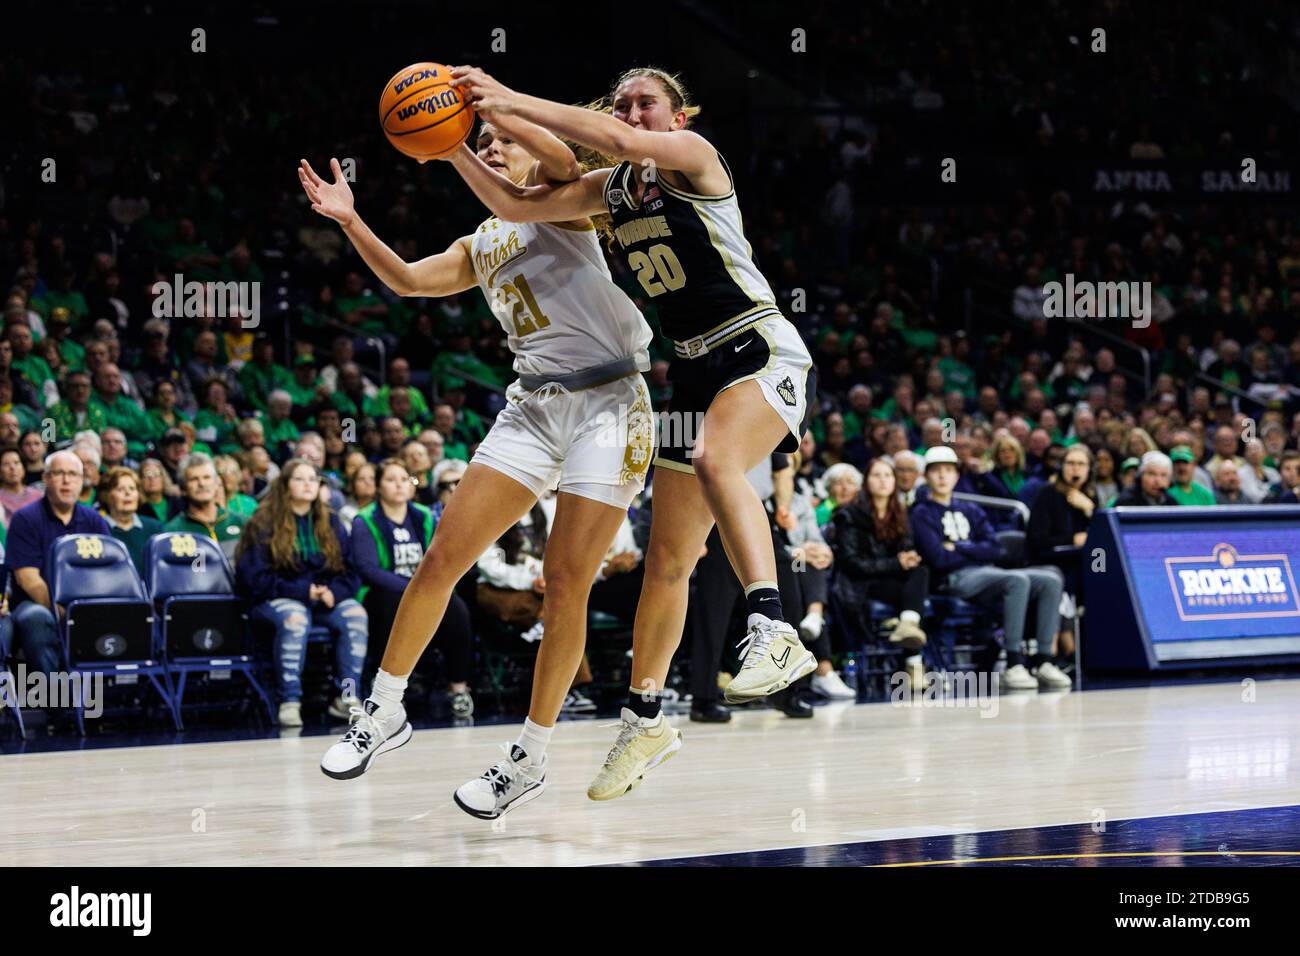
{"points": [[549, 287]]}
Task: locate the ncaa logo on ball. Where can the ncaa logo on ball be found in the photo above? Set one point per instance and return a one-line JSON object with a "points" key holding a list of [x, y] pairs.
{"points": [[414, 78]]}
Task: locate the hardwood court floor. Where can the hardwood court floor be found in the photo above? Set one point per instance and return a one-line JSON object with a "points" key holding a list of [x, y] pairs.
{"points": [[854, 774]]}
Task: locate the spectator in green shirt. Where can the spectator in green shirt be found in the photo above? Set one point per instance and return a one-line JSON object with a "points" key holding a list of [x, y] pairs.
{"points": [[75, 412], [232, 476], [305, 387], [361, 308], [400, 402], [201, 514], [58, 327], [25, 418], [191, 256], [444, 423], [260, 377], [90, 462], [119, 503], [215, 421], [120, 411], [164, 414], [469, 426], [399, 376], [856, 418], [957, 373], [1185, 489], [278, 430], [62, 296], [458, 359], [30, 365]]}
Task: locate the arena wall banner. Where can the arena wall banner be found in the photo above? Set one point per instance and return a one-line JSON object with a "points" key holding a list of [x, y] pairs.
{"points": [[1169, 588], [1204, 182]]}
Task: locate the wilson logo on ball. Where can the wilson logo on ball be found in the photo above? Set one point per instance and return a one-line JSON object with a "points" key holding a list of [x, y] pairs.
{"points": [[430, 105]]}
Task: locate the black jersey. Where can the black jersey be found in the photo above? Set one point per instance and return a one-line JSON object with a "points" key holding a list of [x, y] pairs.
{"points": [[690, 255]]}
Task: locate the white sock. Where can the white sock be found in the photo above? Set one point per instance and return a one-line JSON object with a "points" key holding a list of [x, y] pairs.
{"points": [[387, 692], [913, 660], [911, 617], [533, 740]]}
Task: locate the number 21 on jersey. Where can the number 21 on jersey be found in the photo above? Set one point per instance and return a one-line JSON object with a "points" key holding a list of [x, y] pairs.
{"points": [[525, 313]]}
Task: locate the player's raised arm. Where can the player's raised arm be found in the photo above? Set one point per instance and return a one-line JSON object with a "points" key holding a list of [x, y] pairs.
{"points": [[678, 149], [564, 202], [555, 160], [445, 273]]}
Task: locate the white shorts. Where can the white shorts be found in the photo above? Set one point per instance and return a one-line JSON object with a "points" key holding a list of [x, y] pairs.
{"points": [[596, 443]]}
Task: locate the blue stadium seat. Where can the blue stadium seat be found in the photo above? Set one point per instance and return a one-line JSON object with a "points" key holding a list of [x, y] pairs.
{"points": [[108, 622], [203, 626], [1014, 547], [947, 620]]}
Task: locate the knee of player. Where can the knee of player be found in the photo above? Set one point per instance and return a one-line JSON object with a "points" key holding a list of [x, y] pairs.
{"points": [[667, 569], [710, 467], [440, 566], [566, 584]]}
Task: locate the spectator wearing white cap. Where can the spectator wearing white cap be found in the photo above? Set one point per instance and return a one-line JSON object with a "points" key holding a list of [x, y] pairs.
{"points": [[958, 543]]}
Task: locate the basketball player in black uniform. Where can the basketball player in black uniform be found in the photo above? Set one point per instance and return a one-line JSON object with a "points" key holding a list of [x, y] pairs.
{"points": [[742, 381]]}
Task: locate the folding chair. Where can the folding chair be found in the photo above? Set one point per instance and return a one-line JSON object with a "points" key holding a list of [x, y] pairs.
{"points": [[203, 626], [107, 625]]}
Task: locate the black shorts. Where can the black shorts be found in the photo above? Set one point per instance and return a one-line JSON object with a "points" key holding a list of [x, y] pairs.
{"points": [[769, 352]]}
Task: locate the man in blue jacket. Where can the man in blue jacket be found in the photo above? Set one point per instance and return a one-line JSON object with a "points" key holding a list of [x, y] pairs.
{"points": [[32, 533], [958, 543]]}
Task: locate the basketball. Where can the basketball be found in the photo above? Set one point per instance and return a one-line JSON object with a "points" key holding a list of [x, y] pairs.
{"points": [[422, 114]]}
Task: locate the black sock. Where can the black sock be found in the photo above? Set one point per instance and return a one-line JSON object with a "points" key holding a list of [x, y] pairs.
{"points": [[643, 703], [1014, 658], [765, 600]]}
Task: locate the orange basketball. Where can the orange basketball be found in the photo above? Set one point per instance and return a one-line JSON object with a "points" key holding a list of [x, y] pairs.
{"points": [[422, 114]]}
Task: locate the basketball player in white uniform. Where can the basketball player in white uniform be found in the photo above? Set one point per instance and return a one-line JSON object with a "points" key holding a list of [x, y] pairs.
{"points": [[578, 418]]}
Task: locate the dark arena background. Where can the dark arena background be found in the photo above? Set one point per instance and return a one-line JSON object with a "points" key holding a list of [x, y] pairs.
{"points": [[1049, 248]]}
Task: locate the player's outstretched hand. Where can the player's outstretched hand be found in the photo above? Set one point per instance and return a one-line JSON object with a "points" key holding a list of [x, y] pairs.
{"points": [[482, 92], [329, 199]]}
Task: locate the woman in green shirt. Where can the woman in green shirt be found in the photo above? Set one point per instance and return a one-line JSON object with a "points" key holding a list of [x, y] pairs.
{"points": [[164, 414], [119, 501], [1007, 476], [216, 421], [843, 482], [154, 497], [231, 474]]}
